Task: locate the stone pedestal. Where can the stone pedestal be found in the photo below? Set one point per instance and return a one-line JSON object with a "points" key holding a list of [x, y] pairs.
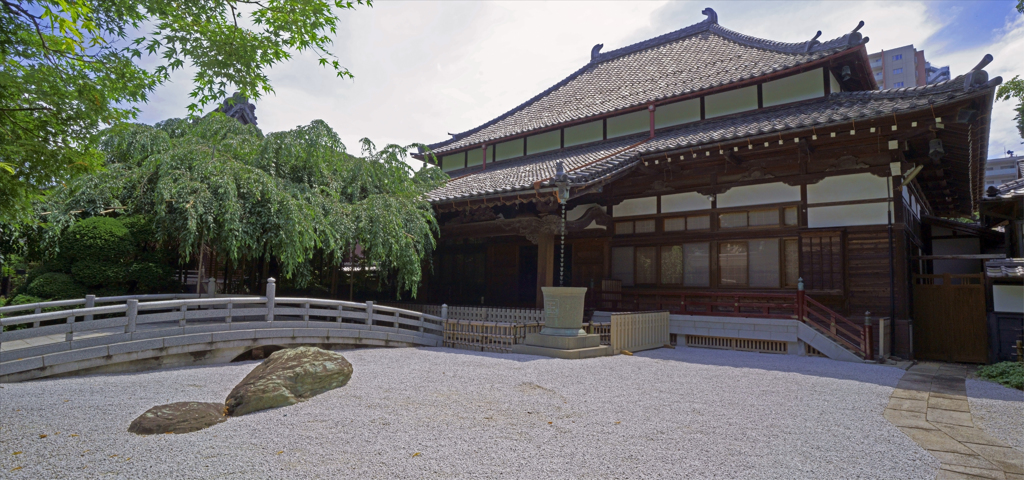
{"points": [[563, 335]]}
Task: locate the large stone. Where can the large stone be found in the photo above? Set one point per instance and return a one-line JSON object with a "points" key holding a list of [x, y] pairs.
{"points": [[288, 377], [180, 417]]}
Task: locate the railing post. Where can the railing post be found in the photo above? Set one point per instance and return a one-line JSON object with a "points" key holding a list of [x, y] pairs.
{"points": [[184, 313], [868, 347], [227, 319], [800, 301], [271, 291], [132, 314], [211, 286], [71, 325], [369, 312], [90, 301], [444, 311]]}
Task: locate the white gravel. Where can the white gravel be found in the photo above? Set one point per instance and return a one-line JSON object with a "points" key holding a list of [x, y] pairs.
{"points": [[998, 410], [685, 413]]}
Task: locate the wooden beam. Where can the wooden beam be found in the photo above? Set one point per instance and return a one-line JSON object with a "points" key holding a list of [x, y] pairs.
{"points": [[984, 256]]}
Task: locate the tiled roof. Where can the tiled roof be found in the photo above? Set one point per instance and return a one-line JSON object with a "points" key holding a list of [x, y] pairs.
{"points": [[519, 175], [1010, 267], [1011, 189], [695, 58]]}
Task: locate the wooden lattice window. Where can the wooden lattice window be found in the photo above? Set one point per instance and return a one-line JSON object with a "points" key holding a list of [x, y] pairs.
{"points": [[821, 261]]}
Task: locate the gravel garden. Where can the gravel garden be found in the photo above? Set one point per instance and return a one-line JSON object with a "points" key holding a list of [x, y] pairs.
{"points": [[683, 413]]}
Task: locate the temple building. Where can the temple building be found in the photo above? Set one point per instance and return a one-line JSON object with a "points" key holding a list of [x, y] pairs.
{"points": [[706, 160]]}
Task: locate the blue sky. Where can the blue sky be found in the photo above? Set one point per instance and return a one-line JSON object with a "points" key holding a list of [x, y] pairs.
{"points": [[423, 69]]}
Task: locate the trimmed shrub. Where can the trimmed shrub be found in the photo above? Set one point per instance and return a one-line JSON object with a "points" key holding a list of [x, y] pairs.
{"points": [[98, 274], [55, 286], [150, 277], [1010, 374], [140, 231], [97, 238], [24, 299]]}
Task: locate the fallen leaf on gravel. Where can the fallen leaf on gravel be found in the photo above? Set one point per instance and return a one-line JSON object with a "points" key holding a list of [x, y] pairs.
{"points": [[114, 455], [16, 468], [282, 451], [549, 423], [417, 454], [16, 453], [127, 458], [617, 423], [74, 434], [42, 435], [67, 400]]}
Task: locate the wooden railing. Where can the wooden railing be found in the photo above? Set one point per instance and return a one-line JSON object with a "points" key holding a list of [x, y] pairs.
{"points": [[790, 305], [487, 336]]}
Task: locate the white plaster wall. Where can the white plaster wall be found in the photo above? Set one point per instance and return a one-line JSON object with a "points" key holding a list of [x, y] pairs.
{"points": [[543, 142], [848, 215], [677, 113], [475, 157], [578, 211], [635, 122], [793, 88], [1008, 298], [684, 202], [585, 133], [509, 149], [842, 188], [733, 101], [636, 206], [758, 195]]}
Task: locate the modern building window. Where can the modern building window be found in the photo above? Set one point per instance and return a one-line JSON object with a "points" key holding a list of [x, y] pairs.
{"points": [[897, 57], [897, 71], [898, 84]]}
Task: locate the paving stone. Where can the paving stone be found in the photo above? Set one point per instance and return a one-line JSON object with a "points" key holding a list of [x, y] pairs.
{"points": [[951, 475], [1013, 476], [936, 415], [909, 405], [970, 435], [977, 472], [903, 418], [935, 440], [962, 397], [1010, 460], [949, 404], [910, 394], [973, 460]]}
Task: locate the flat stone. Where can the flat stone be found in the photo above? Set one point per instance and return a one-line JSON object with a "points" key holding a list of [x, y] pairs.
{"points": [[951, 475], [903, 418], [935, 440], [949, 404], [977, 472], [1008, 459], [180, 417], [910, 394], [937, 415], [972, 460], [970, 435], [909, 405], [1013, 476], [591, 352], [960, 390], [563, 342]]}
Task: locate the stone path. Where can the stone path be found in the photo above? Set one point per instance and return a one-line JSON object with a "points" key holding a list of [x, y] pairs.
{"points": [[930, 406]]}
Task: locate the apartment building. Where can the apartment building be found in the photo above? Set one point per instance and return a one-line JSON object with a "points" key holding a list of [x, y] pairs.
{"points": [[1001, 170], [904, 67]]}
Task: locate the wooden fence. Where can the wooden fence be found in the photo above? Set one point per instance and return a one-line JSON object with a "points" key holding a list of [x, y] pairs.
{"points": [[636, 331]]}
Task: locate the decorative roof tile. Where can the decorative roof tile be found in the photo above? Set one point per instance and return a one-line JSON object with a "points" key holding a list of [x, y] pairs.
{"points": [[695, 58]]}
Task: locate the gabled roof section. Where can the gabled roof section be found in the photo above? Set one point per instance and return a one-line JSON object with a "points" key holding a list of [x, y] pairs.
{"points": [[601, 162], [699, 57]]}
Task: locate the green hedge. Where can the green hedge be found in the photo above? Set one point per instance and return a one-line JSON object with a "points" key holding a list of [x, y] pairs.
{"points": [[98, 274], [98, 239], [55, 286], [1010, 374], [150, 277]]}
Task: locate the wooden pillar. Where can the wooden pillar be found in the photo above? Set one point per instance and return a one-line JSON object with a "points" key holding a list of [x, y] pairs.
{"points": [[545, 264]]}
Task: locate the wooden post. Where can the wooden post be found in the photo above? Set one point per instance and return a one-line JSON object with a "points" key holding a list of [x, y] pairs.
{"points": [[271, 292], [132, 314], [1020, 351], [800, 301], [869, 348]]}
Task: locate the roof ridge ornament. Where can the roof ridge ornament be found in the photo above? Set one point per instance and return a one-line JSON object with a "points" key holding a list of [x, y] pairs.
{"points": [[712, 16], [595, 52], [977, 77], [814, 41], [855, 37]]}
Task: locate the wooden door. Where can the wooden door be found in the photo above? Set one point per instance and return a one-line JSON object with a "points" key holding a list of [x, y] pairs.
{"points": [[949, 318], [502, 274], [587, 263]]}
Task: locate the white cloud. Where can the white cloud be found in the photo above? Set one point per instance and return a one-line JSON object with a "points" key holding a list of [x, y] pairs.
{"points": [[424, 69]]}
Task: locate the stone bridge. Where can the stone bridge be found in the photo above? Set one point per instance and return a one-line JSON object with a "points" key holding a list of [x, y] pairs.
{"points": [[159, 331]]}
